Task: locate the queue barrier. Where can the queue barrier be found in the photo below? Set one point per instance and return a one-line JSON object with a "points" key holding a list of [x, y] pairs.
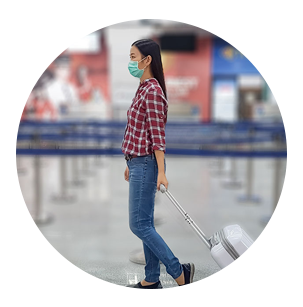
{"points": [[40, 217], [169, 151], [214, 134]]}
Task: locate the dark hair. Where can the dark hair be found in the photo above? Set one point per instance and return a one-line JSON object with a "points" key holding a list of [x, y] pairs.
{"points": [[150, 47]]}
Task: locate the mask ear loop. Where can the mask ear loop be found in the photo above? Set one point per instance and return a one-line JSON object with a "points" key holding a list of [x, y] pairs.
{"points": [[142, 60]]}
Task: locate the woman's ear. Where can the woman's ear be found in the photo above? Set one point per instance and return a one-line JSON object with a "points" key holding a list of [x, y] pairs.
{"points": [[149, 59]]}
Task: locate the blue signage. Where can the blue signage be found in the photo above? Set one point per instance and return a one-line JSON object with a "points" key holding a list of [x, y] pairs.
{"points": [[238, 56]]}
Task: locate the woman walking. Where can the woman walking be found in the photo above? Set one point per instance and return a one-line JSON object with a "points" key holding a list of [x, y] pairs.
{"points": [[144, 148]]}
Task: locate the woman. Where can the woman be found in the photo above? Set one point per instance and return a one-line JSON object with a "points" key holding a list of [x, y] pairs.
{"points": [[144, 148]]}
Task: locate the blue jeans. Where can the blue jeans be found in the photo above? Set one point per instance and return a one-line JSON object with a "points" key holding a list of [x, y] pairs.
{"points": [[143, 175]]}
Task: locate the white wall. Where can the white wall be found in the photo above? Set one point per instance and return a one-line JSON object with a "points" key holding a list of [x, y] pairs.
{"points": [[119, 40]]}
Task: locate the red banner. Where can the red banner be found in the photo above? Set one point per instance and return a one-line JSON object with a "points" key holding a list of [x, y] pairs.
{"points": [[188, 77], [51, 82]]}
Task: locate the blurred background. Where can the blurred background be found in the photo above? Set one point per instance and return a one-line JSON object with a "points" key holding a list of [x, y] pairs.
{"points": [[226, 148], [215, 69]]}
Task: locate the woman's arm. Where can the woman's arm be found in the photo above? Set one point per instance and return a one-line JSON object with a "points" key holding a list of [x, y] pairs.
{"points": [[155, 121], [161, 170]]}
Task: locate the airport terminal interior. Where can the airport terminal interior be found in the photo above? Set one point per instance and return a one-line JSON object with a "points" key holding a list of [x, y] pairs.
{"points": [[90, 226], [225, 141]]}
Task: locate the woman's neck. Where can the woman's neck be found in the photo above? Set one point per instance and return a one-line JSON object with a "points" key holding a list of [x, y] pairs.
{"points": [[146, 75]]}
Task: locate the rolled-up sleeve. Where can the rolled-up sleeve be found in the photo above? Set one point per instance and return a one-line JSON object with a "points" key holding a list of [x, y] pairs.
{"points": [[155, 119]]}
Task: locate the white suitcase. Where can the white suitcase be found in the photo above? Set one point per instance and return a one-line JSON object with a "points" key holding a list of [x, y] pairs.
{"points": [[238, 255]]}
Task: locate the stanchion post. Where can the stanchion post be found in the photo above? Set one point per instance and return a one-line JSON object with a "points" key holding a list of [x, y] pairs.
{"points": [[249, 197], [75, 164], [63, 194], [81, 142], [84, 143], [232, 181], [220, 159], [21, 170], [39, 216], [98, 161], [276, 220]]}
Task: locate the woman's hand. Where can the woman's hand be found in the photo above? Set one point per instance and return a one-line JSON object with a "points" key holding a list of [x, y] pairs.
{"points": [[161, 169], [126, 174], [162, 179]]}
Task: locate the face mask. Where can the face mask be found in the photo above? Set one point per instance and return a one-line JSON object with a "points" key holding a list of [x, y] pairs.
{"points": [[134, 69]]}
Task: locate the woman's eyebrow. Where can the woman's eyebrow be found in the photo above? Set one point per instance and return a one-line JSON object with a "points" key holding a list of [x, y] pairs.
{"points": [[131, 53]]}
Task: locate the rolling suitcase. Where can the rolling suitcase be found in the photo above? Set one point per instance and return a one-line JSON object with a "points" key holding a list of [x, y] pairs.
{"points": [[237, 254]]}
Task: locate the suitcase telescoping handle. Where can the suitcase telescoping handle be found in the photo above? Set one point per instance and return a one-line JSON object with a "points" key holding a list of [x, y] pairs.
{"points": [[186, 216]]}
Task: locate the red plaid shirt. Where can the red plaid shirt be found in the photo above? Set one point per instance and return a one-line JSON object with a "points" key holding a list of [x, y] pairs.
{"points": [[146, 120]]}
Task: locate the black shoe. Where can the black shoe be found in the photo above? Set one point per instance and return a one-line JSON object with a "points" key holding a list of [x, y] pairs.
{"points": [[156, 285], [189, 271]]}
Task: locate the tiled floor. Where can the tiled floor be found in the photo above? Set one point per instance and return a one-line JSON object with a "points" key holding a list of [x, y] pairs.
{"points": [[92, 231]]}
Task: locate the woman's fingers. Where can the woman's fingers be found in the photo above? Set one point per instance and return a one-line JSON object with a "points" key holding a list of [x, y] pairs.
{"points": [[126, 174]]}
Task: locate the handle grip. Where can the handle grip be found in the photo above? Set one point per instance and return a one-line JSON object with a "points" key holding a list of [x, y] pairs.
{"points": [[162, 188]]}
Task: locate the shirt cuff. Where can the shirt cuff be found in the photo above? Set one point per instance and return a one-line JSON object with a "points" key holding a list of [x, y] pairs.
{"points": [[157, 147]]}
